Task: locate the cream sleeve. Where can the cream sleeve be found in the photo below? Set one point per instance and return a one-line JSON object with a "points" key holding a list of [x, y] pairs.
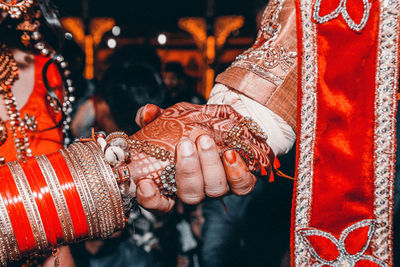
{"points": [[281, 136]]}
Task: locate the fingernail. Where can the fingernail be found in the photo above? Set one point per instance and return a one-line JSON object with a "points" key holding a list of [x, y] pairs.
{"points": [[145, 188], [146, 114], [186, 148], [230, 156], [205, 142]]}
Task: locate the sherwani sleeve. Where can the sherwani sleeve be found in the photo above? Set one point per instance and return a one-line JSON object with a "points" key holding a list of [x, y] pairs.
{"points": [[267, 72], [281, 136]]}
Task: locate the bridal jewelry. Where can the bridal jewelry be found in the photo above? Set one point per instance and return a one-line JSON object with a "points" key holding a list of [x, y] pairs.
{"points": [[29, 13], [9, 74]]}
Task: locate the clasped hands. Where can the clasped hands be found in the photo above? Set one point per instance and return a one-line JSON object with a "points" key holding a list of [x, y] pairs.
{"points": [[196, 134]]}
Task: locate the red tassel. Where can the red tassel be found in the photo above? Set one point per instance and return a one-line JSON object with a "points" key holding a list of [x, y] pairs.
{"points": [[276, 164], [272, 177], [263, 171]]}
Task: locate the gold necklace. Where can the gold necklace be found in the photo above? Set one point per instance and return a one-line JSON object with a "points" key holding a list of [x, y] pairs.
{"points": [[8, 75], [15, 8]]}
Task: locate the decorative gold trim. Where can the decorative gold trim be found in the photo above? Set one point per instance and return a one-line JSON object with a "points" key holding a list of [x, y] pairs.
{"points": [[386, 81], [260, 71], [308, 117]]}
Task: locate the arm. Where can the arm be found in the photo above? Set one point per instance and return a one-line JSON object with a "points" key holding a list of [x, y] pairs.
{"points": [[281, 136], [65, 197]]}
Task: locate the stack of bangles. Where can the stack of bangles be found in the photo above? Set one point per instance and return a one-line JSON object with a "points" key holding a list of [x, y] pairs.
{"points": [[61, 198], [78, 193]]}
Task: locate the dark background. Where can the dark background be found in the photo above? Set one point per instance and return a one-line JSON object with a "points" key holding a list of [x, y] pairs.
{"points": [[149, 17]]}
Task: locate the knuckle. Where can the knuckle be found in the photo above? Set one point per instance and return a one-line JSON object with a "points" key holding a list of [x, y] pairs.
{"points": [[243, 185], [244, 190], [216, 191], [191, 199], [187, 173], [188, 169], [151, 204]]}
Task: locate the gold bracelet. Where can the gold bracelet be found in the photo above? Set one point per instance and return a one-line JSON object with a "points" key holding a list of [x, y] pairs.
{"points": [[3, 250], [108, 175], [96, 189], [10, 241], [88, 184], [103, 197], [234, 141], [93, 215], [166, 181]]}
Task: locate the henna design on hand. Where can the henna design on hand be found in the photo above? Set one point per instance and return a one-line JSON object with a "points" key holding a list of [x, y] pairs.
{"points": [[185, 120]]}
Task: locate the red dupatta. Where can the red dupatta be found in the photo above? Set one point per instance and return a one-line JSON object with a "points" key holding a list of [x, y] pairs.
{"points": [[348, 72]]}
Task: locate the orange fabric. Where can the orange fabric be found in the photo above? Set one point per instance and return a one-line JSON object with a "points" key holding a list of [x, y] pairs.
{"points": [[40, 142], [344, 149], [343, 185]]}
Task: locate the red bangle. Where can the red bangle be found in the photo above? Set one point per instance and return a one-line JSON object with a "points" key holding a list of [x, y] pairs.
{"points": [[71, 194], [16, 211], [34, 173], [41, 199], [64, 186], [31, 179]]}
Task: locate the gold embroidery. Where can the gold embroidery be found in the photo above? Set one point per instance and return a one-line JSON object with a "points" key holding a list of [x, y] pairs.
{"points": [[266, 54]]}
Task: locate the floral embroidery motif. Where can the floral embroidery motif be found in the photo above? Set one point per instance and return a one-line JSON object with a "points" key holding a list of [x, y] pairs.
{"points": [[344, 259], [342, 9], [265, 54], [270, 55]]}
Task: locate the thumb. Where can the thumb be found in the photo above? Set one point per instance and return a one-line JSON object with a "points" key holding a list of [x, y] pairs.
{"points": [[147, 114]]}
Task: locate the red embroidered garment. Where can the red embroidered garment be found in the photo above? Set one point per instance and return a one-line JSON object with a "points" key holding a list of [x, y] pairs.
{"points": [[348, 72]]}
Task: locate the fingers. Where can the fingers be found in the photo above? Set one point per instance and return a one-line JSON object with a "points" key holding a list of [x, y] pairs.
{"points": [[200, 172], [189, 178], [147, 114], [215, 183], [240, 179], [149, 197]]}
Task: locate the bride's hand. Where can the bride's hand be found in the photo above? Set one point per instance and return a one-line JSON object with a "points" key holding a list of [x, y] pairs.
{"points": [[197, 133]]}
